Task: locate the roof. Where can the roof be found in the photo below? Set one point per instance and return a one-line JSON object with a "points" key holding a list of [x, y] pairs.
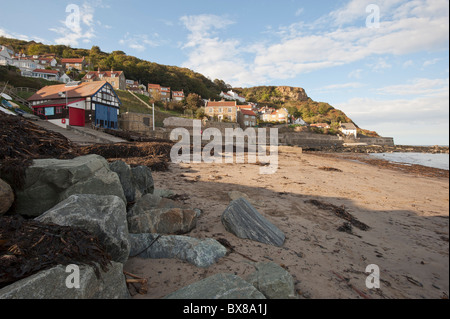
{"points": [[348, 126], [320, 125], [73, 60], [154, 86], [85, 89], [248, 112], [221, 104], [46, 71]]}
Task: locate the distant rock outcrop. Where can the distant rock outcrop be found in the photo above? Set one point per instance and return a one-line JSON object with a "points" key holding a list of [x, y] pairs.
{"points": [[289, 93]]}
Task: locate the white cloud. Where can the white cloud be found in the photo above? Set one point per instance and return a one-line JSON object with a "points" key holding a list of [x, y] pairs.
{"points": [[422, 111], [299, 12], [140, 42], [85, 30], [350, 85], [406, 27], [424, 87], [431, 62]]}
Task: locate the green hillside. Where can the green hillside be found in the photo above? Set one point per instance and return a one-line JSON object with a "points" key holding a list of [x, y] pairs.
{"points": [[135, 69]]}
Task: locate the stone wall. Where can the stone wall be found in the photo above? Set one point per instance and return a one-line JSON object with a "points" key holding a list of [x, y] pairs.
{"points": [[136, 122]]}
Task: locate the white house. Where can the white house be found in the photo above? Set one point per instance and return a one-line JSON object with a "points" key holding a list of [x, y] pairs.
{"points": [[6, 55], [51, 75], [349, 129], [26, 65], [65, 78], [232, 96]]}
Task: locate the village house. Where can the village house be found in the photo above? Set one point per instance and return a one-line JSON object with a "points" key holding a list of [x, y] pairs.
{"points": [[164, 92], [349, 129], [6, 55], [178, 96], [46, 61], [321, 125], [115, 78], [223, 110], [74, 63], [232, 96], [247, 118], [78, 104], [268, 114], [26, 65], [65, 78], [50, 75]]}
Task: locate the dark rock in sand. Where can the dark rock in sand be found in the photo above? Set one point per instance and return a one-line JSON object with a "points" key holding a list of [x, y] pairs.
{"points": [[243, 220]]}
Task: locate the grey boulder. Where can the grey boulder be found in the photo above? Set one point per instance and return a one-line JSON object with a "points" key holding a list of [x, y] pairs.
{"points": [[50, 181], [136, 182], [52, 284], [6, 197], [243, 220], [201, 253], [157, 215], [103, 216], [273, 281], [220, 286]]}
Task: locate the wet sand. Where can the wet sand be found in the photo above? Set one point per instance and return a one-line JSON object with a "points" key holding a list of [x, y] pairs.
{"points": [[407, 211]]}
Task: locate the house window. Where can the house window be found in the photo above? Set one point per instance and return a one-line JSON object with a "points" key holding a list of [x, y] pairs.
{"points": [[220, 110], [59, 110], [211, 110]]}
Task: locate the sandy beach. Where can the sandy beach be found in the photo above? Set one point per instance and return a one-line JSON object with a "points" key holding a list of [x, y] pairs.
{"points": [[407, 212]]}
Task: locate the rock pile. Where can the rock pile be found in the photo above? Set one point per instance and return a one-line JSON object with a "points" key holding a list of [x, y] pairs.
{"points": [[116, 204]]}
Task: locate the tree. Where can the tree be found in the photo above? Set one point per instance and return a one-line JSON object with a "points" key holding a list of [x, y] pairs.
{"points": [[193, 101]]}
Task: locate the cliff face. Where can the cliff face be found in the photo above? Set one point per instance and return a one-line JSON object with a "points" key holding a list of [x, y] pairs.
{"points": [[292, 94]]}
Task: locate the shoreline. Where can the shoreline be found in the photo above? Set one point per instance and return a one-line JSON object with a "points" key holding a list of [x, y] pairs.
{"points": [[415, 169], [366, 149]]}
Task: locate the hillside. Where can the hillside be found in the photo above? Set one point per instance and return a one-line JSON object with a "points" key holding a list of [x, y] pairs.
{"points": [[135, 69], [297, 102]]}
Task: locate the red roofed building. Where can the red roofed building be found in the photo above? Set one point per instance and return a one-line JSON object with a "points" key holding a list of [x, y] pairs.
{"points": [[74, 63], [247, 118], [164, 92], [222, 110], [116, 78], [78, 104]]}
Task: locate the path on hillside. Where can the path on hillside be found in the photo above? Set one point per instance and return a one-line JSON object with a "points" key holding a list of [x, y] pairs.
{"points": [[81, 136]]}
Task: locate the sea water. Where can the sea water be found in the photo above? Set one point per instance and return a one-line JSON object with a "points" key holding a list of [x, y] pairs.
{"points": [[425, 159]]}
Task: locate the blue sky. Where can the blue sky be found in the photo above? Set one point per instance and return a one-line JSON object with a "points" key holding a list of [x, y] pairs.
{"points": [[392, 77]]}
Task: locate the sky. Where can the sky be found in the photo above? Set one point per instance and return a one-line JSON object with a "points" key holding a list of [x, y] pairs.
{"points": [[385, 63]]}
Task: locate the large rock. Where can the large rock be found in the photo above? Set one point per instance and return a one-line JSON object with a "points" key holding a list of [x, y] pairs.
{"points": [[103, 216], [221, 286], [157, 215], [201, 253], [136, 182], [123, 170], [50, 181], [142, 180], [165, 221], [273, 281], [243, 220], [51, 284], [6, 197]]}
